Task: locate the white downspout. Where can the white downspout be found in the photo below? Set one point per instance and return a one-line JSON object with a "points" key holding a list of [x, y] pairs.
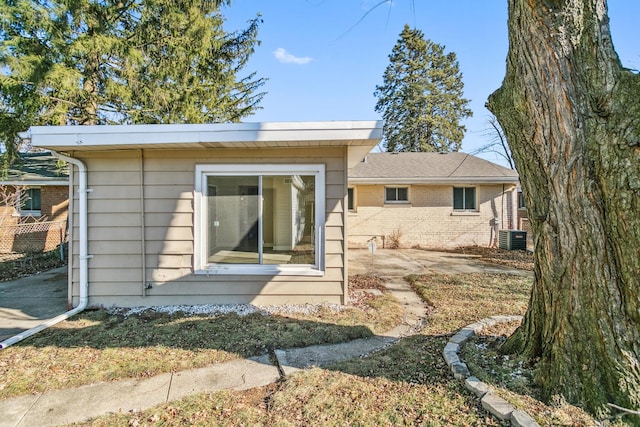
{"points": [[84, 257]]}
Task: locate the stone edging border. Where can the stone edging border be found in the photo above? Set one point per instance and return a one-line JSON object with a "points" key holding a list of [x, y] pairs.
{"points": [[492, 403]]}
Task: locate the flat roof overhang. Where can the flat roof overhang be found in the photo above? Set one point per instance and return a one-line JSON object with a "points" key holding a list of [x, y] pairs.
{"points": [[35, 182], [359, 136]]}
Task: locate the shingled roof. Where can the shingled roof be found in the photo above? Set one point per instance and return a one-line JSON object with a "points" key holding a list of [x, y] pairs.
{"points": [[429, 168], [36, 169]]}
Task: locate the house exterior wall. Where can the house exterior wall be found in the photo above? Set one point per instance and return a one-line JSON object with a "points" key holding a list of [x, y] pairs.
{"points": [[141, 230], [428, 220]]}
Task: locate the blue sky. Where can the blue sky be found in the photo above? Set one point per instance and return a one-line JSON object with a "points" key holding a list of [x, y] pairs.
{"points": [[324, 58]]}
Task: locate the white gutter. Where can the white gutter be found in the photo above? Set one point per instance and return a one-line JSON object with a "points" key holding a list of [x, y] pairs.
{"points": [[84, 258]]}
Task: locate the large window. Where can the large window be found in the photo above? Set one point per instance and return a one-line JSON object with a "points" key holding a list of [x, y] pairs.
{"points": [[396, 195], [264, 219], [464, 199]]}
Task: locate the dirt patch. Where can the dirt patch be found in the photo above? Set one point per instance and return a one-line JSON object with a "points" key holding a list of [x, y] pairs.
{"points": [[364, 288]]}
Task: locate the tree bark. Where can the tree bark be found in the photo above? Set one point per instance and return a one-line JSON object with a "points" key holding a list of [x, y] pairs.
{"points": [[571, 114]]}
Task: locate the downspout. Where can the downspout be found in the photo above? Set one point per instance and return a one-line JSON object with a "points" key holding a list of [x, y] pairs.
{"points": [[502, 210], [84, 257], [143, 244], [345, 230]]}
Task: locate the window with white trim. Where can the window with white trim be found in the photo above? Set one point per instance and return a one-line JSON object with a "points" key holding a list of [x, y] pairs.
{"points": [[259, 219], [396, 194], [464, 199], [29, 201]]}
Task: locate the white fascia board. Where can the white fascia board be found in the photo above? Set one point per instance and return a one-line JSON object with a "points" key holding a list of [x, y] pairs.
{"points": [[121, 136], [42, 183], [434, 181]]}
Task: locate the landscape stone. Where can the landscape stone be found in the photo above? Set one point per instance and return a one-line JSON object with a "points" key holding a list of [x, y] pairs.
{"points": [[505, 319], [469, 332], [497, 406], [451, 346], [476, 327], [460, 370], [476, 386], [451, 357], [489, 322], [522, 419], [462, 336]]}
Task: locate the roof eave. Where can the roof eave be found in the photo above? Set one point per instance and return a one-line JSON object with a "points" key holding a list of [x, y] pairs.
{"points": [[35, 183], [229, 135], [434, 180]]}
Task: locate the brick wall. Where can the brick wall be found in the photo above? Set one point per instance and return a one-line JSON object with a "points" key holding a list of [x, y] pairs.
{"points": [[428, 220], [28, 237], [55, 202]]}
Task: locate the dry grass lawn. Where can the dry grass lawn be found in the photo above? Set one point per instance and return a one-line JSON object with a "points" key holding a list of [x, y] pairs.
{"points": [[405, 384], [99, 345]]}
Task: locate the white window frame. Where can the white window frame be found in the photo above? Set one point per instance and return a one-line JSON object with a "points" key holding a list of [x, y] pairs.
{"points": [[465, 209], [27, 212], [396, 187], [201, 265]]}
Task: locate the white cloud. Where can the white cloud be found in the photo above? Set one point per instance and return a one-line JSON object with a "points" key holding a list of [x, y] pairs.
{"points": [[286, 58]]}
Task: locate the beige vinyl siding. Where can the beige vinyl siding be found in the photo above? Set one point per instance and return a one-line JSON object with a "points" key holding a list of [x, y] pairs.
{"points": [[428, 220], [115, 228]]}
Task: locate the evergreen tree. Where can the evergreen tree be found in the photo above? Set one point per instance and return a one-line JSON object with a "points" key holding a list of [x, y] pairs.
{"points": [[93, 62], [421, 99]]}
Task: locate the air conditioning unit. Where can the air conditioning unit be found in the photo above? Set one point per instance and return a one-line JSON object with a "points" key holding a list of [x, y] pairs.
{"points": [[512, 240]]}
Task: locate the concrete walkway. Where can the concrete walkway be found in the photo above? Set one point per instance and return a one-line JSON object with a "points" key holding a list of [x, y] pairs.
{"points": [[58, 407], [27, 302]]}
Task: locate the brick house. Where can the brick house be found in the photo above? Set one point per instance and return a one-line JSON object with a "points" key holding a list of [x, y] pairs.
{"points": [[34, 205], [430, 200]]}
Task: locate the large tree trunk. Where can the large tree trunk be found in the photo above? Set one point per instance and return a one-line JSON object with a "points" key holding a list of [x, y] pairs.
{"points": [[571, 114]]}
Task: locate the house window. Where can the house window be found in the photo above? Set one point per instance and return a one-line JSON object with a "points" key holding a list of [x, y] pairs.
{"points": [[396, 195], [29, 201], [259, 219], [351, 199], [521, 204], [464, 199]]}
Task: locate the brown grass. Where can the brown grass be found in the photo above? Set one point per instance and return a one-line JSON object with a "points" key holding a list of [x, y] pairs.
{"points": [[458, 300], [522, 260], [405, 384], [98, 346]]}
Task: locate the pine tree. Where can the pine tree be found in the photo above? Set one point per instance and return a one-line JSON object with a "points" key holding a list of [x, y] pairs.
{"points": [[90, 62], [421, 99]]}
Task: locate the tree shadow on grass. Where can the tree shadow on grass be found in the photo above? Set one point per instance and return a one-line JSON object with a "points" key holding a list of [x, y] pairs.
{"points": [[245, 335], [408, 381], [416, 359]]}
